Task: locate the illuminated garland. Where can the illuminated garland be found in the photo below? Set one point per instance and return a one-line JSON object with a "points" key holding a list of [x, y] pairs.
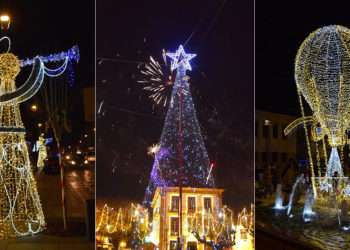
{"points": [[211, 225], [70, 55]]}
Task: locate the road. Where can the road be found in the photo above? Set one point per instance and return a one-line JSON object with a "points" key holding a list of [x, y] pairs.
{"points": [[268, 241], [79, 188]]}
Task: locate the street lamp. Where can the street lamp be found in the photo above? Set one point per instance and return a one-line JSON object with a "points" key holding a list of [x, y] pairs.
{"points": [[34, 108], [5, 21]]}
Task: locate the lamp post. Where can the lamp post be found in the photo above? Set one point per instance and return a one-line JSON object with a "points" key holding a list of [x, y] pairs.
{"points": [[5, 21], [34, 107]]}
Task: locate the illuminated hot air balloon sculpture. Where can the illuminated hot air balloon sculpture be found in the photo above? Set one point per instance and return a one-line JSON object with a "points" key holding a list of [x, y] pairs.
{"points": [[322, 74]]}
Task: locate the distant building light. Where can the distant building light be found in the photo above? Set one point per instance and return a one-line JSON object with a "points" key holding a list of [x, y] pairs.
{"points": [[267, 122], [91, 158]]}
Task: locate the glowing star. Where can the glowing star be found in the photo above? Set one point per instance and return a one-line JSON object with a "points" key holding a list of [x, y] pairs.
{"points": [[180, 58]]}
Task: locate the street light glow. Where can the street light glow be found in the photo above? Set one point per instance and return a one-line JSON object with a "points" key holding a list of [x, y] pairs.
{"points": [[4, 18], [5, 21], [34, 107]]}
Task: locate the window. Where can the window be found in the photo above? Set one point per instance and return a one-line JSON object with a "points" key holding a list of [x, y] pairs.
{"points": [[274, 157], [173, 244], [256, 128], [191, 204], [266, 131], [174, 226], [257, 157], [275, 131], [207, 203], [175, 203], [191, 245]]}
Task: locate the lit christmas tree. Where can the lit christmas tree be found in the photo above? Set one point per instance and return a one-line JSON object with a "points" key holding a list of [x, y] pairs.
{"points": [[181, 159]]}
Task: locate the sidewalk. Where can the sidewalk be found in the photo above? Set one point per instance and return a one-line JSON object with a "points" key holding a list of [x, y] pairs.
{"points": [[79, 188], [47, 242]]}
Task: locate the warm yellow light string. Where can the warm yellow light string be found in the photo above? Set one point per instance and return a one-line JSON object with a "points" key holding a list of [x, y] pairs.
{"points": [[318, 163], [324, 152], [21, 210], [308, 145], [342, 155]]}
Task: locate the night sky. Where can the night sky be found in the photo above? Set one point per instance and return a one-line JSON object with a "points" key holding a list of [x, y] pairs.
{"points": [[45, 27], [281, 27], [221, 34]]}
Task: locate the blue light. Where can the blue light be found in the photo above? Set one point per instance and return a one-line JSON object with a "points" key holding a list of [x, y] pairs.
{"points": [[70, 55]]}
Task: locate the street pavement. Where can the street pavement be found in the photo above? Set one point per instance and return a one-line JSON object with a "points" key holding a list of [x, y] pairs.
{"points": [[268, 241], [79, 188]]}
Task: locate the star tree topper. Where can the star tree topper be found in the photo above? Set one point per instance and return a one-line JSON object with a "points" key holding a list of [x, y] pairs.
{"points": [[180, 58]]}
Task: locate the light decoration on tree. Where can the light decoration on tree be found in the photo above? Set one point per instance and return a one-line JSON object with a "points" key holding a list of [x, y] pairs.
{"points": [[20, 211], [220, 230], [213, 228], [181, 138], [130, 224], [322, 74]]}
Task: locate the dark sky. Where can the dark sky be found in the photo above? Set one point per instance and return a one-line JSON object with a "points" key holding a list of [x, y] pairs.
{"points": [[222, 76], [45, 27], [281, 27]]}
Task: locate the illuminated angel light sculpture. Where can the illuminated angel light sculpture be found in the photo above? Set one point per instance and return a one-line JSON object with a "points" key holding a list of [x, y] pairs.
{"points": [[322, 74], [20, 208], [42, 152]]}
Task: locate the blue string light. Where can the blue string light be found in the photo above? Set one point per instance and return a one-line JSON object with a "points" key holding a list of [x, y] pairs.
{"points": [[70, 55]]}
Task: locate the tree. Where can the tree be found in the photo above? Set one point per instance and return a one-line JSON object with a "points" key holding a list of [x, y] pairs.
{"points": [[182, 158]]}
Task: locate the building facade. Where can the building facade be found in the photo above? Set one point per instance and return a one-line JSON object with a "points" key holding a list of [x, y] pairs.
{"points": [[196, 204], [271, 145], [276, 155]]}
